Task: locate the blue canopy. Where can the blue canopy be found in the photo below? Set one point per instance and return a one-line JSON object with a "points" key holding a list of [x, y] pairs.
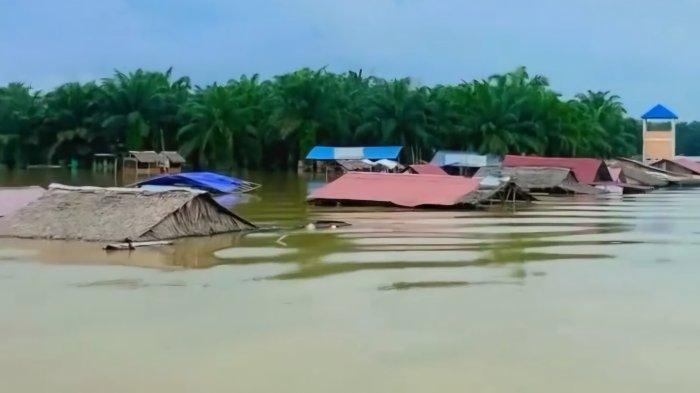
{"points": [[208, 181], [354, 153], [659, 112]]}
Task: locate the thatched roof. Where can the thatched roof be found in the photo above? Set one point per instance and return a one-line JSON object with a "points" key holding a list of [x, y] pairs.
{"points": [[506, 191], [173, 156], [639, 175], [116, 214], [148, 157], [548, 179], [649, 175]]}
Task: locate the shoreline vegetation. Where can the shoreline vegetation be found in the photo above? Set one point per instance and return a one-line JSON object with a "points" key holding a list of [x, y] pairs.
{"points": [[270, 124]]}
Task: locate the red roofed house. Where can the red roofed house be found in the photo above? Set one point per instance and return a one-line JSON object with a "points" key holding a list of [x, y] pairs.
{"points": [[586, 170], [400, 189]]}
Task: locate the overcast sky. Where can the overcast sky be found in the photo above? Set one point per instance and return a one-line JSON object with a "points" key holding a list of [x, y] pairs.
{"points": [[644, 51]]}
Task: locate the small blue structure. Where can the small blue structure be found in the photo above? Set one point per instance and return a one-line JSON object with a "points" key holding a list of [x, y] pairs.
{"points": [[659, 112], [327, 153], [207, 181]]}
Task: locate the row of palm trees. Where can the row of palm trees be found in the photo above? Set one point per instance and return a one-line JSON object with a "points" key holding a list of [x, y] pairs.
{"points": [[254, 123]]}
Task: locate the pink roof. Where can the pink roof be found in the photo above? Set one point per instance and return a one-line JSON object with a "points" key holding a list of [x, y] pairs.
{"points": [[427, 169], [15, 198], [688, 164], [585, 169], [615, 172], [399, 189]]}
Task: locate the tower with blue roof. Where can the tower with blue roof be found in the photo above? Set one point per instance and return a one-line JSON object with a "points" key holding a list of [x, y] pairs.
{"points": [[658, 134]]}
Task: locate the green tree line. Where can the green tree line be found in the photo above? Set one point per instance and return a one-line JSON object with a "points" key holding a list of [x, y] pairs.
{"points": [[254, 123]]}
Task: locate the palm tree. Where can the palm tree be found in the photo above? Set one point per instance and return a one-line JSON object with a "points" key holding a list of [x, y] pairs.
{"points": [[141, 107], [71, 122], [21, 111], [603, 115], [304, 101], [219, 118], [397, 114]]}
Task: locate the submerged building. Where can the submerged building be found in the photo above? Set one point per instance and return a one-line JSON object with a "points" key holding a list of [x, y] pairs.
{"points": [[121, 214]]}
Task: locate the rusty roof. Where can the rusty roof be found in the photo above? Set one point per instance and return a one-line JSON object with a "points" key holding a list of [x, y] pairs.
{"points": [[400, 189], [173, 156], [148, 156], [426, 169], [586, 170]]}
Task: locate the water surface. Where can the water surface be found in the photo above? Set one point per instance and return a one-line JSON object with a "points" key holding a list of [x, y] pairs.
{"points": [[567, 294]]}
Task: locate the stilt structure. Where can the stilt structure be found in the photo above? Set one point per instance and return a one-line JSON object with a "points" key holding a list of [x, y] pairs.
{"points": [[658, 134]]}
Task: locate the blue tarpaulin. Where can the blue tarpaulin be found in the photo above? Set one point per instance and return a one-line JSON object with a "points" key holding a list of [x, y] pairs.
{"points": [[354, 153], [208, 181]]}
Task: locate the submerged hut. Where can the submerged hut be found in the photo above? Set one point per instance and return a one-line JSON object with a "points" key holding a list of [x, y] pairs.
{"points": [[682, 165], [13, 199], [120, 214], [540, 179], [141, 163], [335, 161], [585, 170], [636, 172], [406, 190], [171, 161], [462, 162]]}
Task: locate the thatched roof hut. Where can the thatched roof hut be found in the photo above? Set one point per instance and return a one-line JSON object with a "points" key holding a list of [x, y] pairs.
{"points": [[541, 179], [173, 157], [118, 214], [147, 157], [637, 172]]}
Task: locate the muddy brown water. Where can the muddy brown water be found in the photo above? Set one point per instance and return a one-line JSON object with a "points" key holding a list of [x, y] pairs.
{"points": [[563, 295]]}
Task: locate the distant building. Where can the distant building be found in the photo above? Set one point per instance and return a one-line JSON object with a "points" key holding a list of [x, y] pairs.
{"points": [[463, 163], [149, 163], [658, 134]]}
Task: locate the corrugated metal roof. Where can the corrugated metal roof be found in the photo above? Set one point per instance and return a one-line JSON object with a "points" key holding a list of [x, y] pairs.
{"points": [[354, 153], [15, 198], [173, 156], [688, 164], [400, 189], [463, 159], [426, 169], [148, 156], [659, 112], [586, 170]]}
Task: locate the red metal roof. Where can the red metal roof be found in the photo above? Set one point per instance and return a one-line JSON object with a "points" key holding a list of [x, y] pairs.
{"points": [[586, 170], [15, 198], [688, 164], [427, 169], [401, 189]]}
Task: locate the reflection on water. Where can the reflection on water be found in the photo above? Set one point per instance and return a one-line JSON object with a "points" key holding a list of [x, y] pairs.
{"points": [[565, 294]]}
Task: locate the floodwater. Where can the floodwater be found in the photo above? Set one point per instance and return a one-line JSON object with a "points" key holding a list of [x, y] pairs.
{"points": [[563, 295]]}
